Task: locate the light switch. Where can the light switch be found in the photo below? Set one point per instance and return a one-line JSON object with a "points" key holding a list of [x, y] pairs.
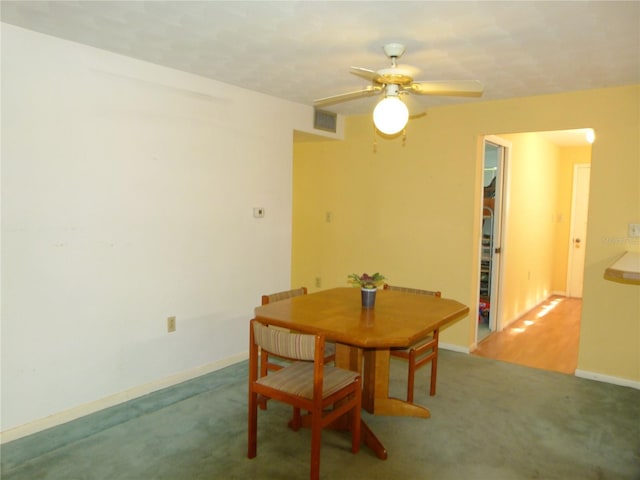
{"points": [[258, 212]]}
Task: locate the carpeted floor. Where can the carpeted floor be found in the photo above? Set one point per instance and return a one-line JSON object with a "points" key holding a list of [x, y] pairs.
{"points": [[490, 420]]}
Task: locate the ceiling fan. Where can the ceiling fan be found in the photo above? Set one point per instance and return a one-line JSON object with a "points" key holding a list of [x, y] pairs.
{"points": [[394, 82]]}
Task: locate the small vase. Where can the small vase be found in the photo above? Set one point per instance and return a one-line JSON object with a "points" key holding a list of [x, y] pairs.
{"points": [[368, 297]]}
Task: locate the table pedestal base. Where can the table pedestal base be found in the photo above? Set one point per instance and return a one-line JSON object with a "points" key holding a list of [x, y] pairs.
{"points": [[395, 406], [375, 393], [367, 437]]}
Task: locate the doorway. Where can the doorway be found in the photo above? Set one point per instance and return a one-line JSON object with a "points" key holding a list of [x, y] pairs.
{"points": [[544, 219], [495, 153]]}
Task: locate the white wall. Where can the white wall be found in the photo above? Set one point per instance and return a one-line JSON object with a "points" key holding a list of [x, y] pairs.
{"points": [[127, 197]]}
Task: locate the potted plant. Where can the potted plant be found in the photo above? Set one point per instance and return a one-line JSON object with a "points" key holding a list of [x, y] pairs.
{"points": [[368, 286]]}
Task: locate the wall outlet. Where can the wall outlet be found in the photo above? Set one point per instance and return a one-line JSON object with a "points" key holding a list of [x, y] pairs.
{"points": [[258, 212], [318, 282], [634, 229], [171, 324]]}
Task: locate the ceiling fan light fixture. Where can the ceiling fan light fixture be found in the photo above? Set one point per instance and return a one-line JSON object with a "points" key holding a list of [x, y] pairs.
{"points": [[390, 115]]}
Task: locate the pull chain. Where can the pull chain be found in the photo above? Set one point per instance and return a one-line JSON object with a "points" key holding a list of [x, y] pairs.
{"points": [[375, 140]]}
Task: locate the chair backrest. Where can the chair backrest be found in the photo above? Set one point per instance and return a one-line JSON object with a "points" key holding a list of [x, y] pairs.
{"points": [[296, 346], [275, 297], [435, 293]]}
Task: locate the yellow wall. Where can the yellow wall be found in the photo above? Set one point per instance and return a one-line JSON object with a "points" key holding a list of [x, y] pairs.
{"points": [[413, 211], [528, 245]]}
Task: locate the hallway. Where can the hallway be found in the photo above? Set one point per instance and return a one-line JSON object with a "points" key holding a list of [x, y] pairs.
{"points": [[546, 337]]}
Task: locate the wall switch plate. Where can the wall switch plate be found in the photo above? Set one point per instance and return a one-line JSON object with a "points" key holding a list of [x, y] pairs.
{"points": [[171, 324], [258, 212], [634, 229]]}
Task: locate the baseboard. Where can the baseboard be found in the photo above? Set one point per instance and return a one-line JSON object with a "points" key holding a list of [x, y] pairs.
{"points": [[599, 377], [453, 348], [116, 399], [623, 382], [112, 400]]}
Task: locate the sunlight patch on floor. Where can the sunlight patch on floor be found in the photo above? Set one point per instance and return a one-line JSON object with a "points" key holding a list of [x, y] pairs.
{"points": [[544, 310], [548, 307]]}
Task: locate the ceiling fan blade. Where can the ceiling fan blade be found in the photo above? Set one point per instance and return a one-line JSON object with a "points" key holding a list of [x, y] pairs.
{"points": [[343, 97], [365, 73], [409, 70], [454, 88]]}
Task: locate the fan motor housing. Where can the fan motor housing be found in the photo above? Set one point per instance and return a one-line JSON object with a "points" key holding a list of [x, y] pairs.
{"points": [[393, 76]]}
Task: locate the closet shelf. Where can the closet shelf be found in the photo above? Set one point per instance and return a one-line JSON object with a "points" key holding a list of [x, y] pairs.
{"points": [[626, 269]]}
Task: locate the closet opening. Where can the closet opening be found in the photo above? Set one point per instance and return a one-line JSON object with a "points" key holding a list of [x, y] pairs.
{"points": [[495, 153]]}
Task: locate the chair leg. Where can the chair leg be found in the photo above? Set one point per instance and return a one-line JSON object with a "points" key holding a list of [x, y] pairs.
{"points": [[253, 425], [434, 362], [411, 375], [316, 442], [434, 372], [355, 426], [264, 361], [296, 422]]}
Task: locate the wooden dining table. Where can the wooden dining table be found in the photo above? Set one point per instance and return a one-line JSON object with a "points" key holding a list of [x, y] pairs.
{"points": [[364, 337]]}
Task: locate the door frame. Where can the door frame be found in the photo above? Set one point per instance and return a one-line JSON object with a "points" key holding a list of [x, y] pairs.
{"points": [[501, 214]]}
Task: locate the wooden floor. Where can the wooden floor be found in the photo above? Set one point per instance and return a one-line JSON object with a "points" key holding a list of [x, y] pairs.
{"points": [[546, 337]]}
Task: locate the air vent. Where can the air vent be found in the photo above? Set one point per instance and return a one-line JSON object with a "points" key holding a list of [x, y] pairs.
{"points": [[323, 120]]}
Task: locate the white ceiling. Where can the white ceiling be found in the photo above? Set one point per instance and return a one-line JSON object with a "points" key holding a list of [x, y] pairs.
{"points": [[302, 50]]}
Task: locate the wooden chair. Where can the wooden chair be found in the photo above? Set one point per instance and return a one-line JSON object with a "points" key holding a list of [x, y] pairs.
{"points": [[421, 353], [265, 364], [306, 383]]}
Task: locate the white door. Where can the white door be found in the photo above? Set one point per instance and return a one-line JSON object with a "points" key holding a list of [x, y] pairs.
{"points": [[578, 244]]}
